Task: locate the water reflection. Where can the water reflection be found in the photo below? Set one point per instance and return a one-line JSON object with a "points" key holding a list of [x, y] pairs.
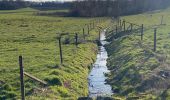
{"points": [[97, 86]]}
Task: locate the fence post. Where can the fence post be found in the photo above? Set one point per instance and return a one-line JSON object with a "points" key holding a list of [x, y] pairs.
{"points": [[116, 29], [99, 35], [155, 30], [124, 25], [120, 24], [88, 29], [84, 34], [142, 32], [22, 78], [76, 38], [61, 54]]}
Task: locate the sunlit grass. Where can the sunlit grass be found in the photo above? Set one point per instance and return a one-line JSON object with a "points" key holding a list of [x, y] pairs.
{"points": [[34, 37], [136, 67]]}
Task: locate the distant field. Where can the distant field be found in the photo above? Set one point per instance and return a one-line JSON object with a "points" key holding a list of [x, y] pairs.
{"points": [[139, 73], [23, 32]]}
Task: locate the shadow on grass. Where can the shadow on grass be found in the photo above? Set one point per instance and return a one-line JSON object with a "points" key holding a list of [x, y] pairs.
{"points": [[113, 35]]}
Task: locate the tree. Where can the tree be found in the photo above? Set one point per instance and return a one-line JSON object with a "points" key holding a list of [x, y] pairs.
{"points": [[12, 4], [91, 8]]}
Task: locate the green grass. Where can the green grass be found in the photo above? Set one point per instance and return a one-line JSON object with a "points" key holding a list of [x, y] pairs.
{"points": [[137, 70], [22, 32]]}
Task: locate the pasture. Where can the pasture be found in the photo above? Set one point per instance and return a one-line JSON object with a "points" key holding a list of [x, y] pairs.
{"points": [[139, 72], [24, 32]]}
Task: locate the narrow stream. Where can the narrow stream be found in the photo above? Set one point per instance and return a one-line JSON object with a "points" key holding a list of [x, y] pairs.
{"points": [[97, 86]]}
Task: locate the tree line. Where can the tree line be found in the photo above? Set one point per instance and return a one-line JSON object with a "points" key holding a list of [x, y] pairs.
{"points": [[93, 8], [12, 4], [16, 4], [51, 5]]}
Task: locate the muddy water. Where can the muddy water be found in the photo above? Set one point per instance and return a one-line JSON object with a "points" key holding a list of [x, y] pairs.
{"points": [[96, 79]]}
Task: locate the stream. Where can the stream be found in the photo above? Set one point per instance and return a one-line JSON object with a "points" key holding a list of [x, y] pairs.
{"points": [[96, 78]]}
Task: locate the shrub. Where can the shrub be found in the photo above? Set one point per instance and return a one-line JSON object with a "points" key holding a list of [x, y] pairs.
{"points": [[7, 95], [53, 80]]}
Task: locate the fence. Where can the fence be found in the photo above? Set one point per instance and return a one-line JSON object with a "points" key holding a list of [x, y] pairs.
{"points": [[74, 38], [124, 27]]}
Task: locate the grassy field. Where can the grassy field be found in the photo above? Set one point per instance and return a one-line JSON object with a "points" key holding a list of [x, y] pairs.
{"points": [[23, 32], [137, 72]]}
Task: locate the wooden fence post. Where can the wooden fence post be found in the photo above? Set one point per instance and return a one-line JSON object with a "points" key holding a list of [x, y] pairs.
{"points": [[142, 32], [76, 39], [61, 54], [84, 34], [116, 29], [155, 30], [124, 25], [88, 30], [22, 78], [120, 24], [99, 35]]}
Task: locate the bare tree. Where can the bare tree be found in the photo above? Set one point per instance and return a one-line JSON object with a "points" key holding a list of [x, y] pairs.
{"points": [[91, 8]]}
